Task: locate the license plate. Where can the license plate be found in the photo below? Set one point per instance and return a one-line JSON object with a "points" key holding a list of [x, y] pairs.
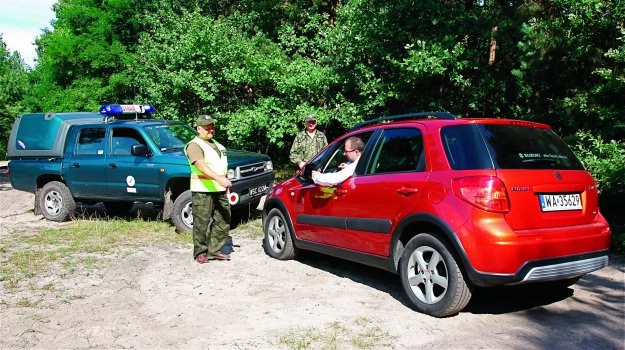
{"points": [[258, 191], [559, 202]]}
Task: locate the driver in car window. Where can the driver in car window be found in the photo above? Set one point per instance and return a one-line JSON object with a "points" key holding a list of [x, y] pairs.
{"points": [[352, 151]]}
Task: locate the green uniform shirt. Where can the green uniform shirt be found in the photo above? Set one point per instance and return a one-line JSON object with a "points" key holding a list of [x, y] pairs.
{"points": [[305, 147]]}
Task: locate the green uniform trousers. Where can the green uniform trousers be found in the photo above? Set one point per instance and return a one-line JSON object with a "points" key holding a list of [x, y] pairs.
{"points": [[207, 205]]}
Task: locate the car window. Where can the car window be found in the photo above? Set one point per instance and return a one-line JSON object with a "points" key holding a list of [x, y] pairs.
{"points": [[505, 146], [123, 139], [329, 160], [521, 147], [91, 141], [465, 148], [398, 150]]}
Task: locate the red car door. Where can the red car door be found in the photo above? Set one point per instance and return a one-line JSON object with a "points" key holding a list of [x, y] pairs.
{"points": [[323, 214], [389, 189]]}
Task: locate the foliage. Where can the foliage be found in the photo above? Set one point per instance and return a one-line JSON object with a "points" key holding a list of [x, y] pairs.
{"points": [[13, 88], [618, 240], [604, 160], [260, 65], [86, 59]]}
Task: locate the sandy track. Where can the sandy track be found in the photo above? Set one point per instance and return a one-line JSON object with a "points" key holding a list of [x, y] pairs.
{"points": [[158, 297]]}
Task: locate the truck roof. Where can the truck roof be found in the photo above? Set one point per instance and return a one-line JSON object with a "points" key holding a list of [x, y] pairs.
{"points": [[43, 134]]}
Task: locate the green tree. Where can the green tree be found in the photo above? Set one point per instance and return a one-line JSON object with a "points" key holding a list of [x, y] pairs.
{"points": [[86, 59], [13, 87]]}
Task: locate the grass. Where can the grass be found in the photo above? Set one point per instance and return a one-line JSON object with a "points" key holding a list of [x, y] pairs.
{"points": [[79, 243], [359, 334], [253, 229]]}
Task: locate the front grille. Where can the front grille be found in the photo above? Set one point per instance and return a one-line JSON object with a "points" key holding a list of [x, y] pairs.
{"points": [[250, 170], [565, 270]]}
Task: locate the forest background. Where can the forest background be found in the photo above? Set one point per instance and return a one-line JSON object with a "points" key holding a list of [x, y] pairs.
{"points": [[259, 66]]}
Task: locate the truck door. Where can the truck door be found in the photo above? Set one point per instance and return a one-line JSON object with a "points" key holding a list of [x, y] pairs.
{"points": [[130, 177], [85, 176]]}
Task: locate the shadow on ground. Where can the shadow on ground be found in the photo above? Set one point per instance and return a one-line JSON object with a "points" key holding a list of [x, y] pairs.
{"points": [[493, 300], [147, 211]]}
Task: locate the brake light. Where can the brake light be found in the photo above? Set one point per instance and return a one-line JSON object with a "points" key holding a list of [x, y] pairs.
{"points": [[484, 192]]}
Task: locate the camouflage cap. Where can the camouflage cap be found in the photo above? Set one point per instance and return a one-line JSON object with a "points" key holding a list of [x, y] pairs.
{"points": [[204, 120], [310, 117]]}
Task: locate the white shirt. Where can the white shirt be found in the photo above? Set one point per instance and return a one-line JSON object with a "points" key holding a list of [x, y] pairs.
{"points": [[333, 179]]}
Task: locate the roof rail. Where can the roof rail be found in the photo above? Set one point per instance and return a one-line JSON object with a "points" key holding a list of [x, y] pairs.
{"points": [[392, 118]]}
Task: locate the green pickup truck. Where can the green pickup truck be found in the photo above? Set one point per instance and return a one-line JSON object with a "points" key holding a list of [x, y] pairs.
{"points": [[118, 157]]}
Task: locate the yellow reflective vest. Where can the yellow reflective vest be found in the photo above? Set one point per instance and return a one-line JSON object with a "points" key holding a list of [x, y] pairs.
{"points": [[219, 165]]}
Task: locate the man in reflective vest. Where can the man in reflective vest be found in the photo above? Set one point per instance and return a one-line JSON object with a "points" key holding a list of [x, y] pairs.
{"points": [[209, 166]]}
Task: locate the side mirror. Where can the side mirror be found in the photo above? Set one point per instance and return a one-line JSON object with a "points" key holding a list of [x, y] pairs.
{"points": [[140, 150], [307, 173]]}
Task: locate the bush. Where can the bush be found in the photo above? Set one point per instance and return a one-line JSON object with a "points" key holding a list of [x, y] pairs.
{"points": [[604, 160], [618, 239]]}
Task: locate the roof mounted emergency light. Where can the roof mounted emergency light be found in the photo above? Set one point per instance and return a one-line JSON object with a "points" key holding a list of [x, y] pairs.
{"points": [[126, 111]]}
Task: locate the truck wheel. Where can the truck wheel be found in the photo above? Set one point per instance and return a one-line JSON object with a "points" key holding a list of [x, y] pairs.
{"points": [[182, 214], [432, 278], [278, 242], [56, 202], [120, 209]]}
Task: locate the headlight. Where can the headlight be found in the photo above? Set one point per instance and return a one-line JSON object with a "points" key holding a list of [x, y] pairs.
{"points": [[230, 174], [268, 165]]}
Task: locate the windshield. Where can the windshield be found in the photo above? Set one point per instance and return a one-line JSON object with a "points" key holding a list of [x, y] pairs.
{"points": [[169, 137]]}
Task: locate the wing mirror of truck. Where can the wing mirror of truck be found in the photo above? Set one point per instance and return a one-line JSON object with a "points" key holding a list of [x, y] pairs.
{"points": [[140, 150]]}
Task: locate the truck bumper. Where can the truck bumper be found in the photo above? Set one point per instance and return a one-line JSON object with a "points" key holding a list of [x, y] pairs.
{"points": [[251, 190]]}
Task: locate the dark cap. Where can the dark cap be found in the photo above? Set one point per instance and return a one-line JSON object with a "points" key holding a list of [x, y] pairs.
{"points": [[204, 120], [310, 117]]}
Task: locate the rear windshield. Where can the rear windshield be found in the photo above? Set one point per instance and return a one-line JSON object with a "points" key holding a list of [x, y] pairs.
{"points": [[488, 146]]}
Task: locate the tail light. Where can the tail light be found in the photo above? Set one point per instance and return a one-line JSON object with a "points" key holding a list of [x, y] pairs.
{"points": [[484, 192]]}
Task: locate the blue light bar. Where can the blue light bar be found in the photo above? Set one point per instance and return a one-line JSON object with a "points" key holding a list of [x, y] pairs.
{"points": [[126, 109]]}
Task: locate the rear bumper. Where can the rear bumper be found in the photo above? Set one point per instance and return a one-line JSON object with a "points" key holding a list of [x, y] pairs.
{"points": [[565, 270], [242, 188], [545, 270], [494, 254]]}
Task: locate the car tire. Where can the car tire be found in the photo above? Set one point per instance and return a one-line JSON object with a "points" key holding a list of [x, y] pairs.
{"points": [[432, 278], [119, 209], [56, 202], [182, 213], [278, 242]]}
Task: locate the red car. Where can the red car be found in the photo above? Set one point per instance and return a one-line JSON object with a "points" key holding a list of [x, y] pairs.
{"points": [[448, 204]]}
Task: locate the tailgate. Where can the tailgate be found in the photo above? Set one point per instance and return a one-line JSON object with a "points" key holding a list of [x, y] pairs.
{"points": [[550, 198]]}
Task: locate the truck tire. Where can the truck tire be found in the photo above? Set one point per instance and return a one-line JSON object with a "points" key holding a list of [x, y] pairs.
{"points": [[182, 214], [56, 202], [119, 209]]}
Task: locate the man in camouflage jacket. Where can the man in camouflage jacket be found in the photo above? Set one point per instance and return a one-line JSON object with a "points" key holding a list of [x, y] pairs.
{"points": [[307, 143]]}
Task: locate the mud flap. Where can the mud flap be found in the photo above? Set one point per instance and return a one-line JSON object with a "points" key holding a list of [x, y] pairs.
{"points": [[168, 205], [37, 208]]}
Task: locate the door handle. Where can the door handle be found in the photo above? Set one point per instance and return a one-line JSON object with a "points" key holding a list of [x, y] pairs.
{"points": [[112, 165], [76, 165], [340, 192], [406, 191]]}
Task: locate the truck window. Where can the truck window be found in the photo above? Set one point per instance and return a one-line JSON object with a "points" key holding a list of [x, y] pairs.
{"points": [[123, 139], [91, 141]]}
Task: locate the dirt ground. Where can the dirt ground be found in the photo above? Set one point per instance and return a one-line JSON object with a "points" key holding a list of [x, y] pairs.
{"points": [[158, 297]]}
